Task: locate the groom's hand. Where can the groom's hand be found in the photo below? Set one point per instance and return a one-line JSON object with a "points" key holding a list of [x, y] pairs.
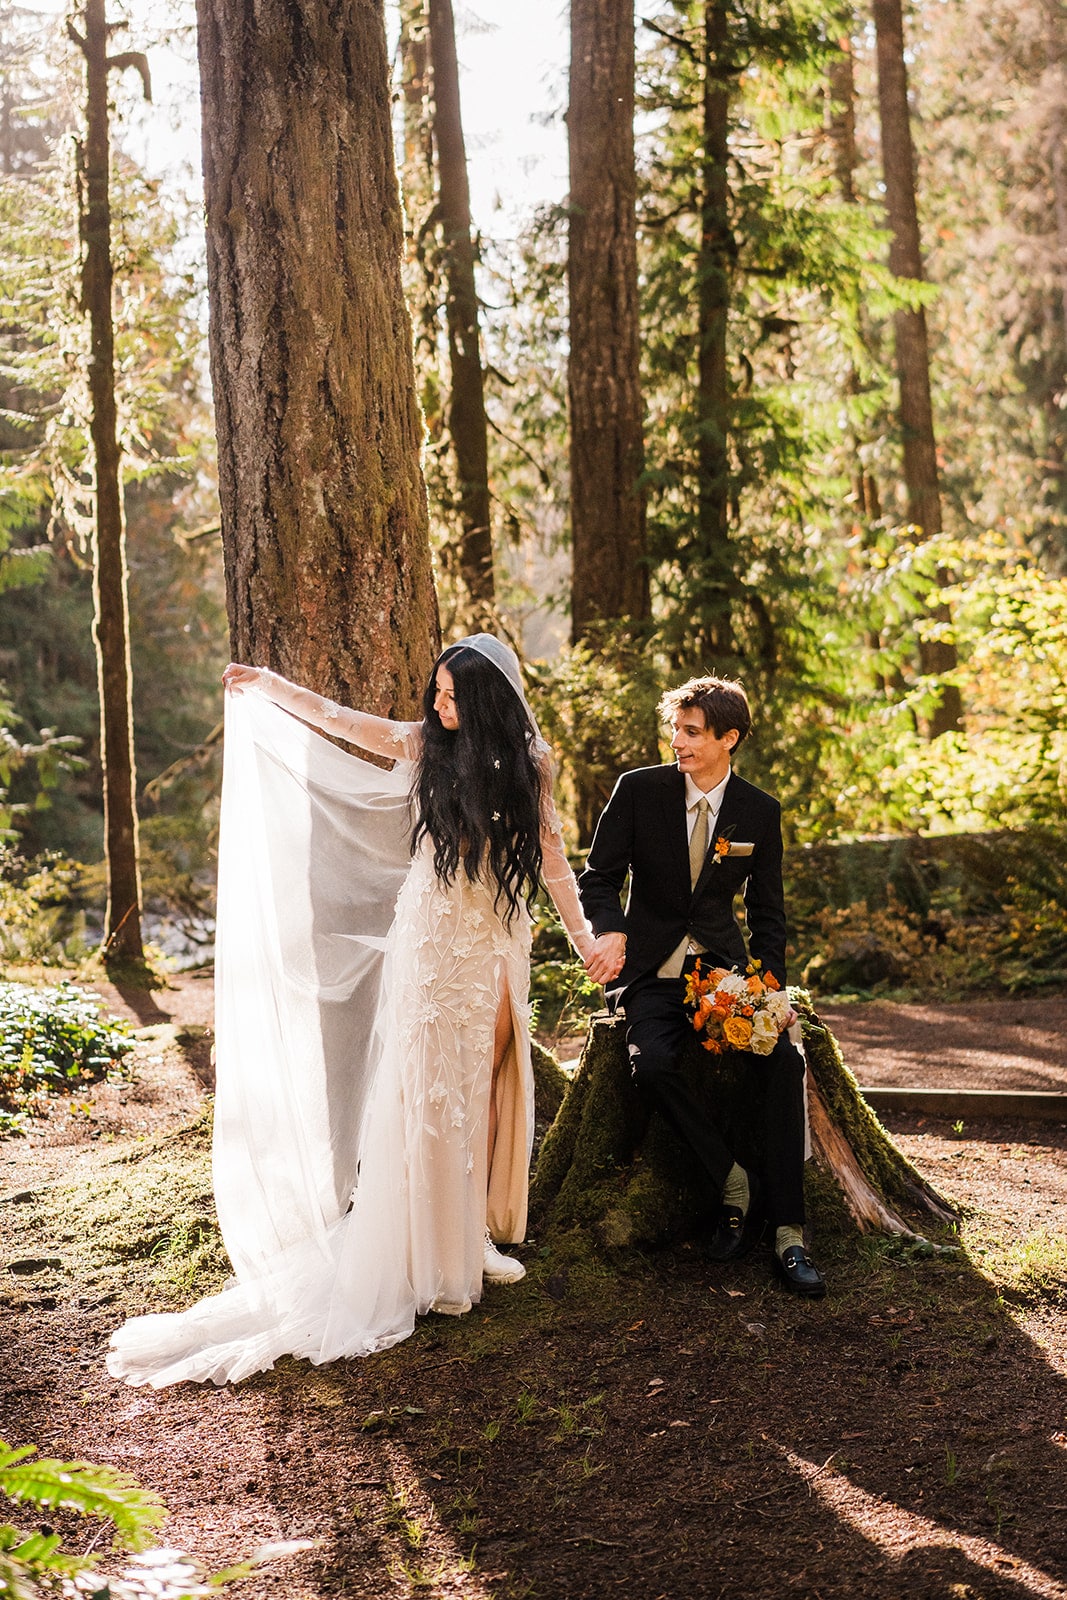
{"points": [[607, 957]]}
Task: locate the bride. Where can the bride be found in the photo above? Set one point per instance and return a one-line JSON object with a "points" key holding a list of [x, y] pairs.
{"points": [[374, 1112]]}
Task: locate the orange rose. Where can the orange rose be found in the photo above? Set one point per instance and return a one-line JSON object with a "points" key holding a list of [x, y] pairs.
{"points": [[738, 1032]]}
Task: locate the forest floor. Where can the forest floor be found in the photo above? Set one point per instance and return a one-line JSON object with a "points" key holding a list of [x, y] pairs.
{"points": [[664, 1432]]}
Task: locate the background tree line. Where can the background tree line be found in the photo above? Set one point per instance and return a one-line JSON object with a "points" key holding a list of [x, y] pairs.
{"points": [[778, 390]]}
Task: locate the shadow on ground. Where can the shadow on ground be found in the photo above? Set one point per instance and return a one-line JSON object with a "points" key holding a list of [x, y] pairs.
{"points": [[671, 1431]]}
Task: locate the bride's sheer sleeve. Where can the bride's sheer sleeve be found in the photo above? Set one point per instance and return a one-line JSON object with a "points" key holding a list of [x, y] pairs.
{"points": [[399, 741], [556, 870]]}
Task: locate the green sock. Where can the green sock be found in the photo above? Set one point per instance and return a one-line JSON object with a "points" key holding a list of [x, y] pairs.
{"points": [[735, 1189], [785, 1238]]}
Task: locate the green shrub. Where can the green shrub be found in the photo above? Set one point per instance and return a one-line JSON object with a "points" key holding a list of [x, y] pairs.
{"points": [[53, 1039], [43, 903], [561, 993]]}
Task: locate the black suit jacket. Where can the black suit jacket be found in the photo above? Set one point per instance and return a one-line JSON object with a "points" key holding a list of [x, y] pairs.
{"points": [[643, 833]]}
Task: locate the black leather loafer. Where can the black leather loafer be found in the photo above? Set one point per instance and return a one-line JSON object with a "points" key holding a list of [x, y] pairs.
{"points": [[799, 1273], [737, 1231]]}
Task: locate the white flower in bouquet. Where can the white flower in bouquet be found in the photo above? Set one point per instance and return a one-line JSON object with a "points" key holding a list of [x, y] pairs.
{"points": [[732, 984], [765, 1031]]}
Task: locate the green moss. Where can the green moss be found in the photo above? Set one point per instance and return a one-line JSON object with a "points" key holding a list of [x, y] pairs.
{"points": [[143, 1226], [884, 1163], [626, 1181], [550, 1087]]}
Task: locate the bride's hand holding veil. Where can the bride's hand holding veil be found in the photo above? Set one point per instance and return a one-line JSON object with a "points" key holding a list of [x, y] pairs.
{"points": [[237, 677]]}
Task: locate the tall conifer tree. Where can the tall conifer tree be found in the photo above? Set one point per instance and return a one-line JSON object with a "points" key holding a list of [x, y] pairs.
{"points": [[111, 626], [466, 399], [324, 519], [937, 652]]}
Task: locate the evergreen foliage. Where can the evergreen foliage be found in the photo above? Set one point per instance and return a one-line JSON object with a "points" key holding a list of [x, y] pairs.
{"points": [[177, 615], [780, 544]]}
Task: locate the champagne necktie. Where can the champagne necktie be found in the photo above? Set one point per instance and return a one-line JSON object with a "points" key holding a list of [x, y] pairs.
{"points": [[698, 844], [698, 849]]}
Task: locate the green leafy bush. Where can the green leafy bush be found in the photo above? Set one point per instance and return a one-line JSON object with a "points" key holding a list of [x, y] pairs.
{"points": [[950, 915], [53, 1039], [43, 904]]}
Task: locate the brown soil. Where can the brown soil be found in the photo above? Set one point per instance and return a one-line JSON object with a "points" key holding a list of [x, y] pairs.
{"points": [[667, 1432], [984, 1044]]}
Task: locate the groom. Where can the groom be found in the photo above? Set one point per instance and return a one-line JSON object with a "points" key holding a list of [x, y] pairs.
{"points": [[691, 836]]}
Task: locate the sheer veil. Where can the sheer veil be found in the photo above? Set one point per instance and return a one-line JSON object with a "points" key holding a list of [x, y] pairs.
{"points": [[313, 850], [506, 661]]}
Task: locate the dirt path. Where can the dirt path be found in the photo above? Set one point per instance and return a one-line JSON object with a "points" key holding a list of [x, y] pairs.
{"points": [[670, 1433], [984, 1044]]}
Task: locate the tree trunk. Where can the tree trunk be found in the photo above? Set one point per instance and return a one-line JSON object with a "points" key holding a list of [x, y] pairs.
{"points": [[609, 567], [842, 129], [111, 628], [609, 579], [714, 272], [466, 404], [936, 656], [841, 85], [1058, 172], [608, 1170], [324, 522]]}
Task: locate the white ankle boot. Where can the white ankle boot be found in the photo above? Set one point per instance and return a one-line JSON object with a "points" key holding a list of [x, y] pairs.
{"points": [[500, 1268]]}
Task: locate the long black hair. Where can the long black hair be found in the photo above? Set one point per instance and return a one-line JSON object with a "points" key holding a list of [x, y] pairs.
{"points": [[477, 789]]}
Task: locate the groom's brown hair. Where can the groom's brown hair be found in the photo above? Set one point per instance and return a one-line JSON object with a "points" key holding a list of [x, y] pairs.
{"points": [[722, 700]]}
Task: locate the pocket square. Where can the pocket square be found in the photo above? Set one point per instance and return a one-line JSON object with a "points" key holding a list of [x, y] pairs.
{"points": [[740, 849]]}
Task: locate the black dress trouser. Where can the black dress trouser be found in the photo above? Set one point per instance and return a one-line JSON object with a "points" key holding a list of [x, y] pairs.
{"points": [[658, 1024]]}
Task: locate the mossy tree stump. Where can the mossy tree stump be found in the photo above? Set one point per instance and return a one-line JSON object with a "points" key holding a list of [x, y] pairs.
{"points": [[607, 1167]]}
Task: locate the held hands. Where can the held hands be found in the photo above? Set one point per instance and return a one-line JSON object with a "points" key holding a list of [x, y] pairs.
{"points": [[607, 957]]}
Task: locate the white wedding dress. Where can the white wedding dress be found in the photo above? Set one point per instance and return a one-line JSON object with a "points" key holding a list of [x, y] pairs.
{"points": [[356, 1001]]}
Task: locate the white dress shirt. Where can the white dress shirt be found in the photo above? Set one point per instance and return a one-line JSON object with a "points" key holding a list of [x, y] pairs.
{"points": [[693, 797]]}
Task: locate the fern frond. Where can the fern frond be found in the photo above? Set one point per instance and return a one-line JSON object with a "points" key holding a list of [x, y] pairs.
{"points": [[90, 1490]]}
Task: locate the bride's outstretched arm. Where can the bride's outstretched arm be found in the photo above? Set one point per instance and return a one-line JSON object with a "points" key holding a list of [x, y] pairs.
{"points": [[399, 741], [556, 871]]}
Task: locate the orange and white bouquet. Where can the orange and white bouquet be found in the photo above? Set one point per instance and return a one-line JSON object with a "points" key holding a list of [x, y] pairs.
{"points": [[737, 1011]]}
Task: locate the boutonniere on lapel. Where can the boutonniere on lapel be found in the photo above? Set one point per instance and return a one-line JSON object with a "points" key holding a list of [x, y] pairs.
{"points": [[721, 847], [725, 845]]}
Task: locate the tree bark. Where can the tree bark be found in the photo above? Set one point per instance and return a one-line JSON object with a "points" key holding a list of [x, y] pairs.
{"points": [[466, 404], [937, 656], [111, 627], [714, 272], [610, 572], [841, 84], [610, 602], [324, 521]]}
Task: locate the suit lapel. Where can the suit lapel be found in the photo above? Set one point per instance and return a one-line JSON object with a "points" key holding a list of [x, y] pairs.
{"points": [[675, 832], [729, 817]]}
